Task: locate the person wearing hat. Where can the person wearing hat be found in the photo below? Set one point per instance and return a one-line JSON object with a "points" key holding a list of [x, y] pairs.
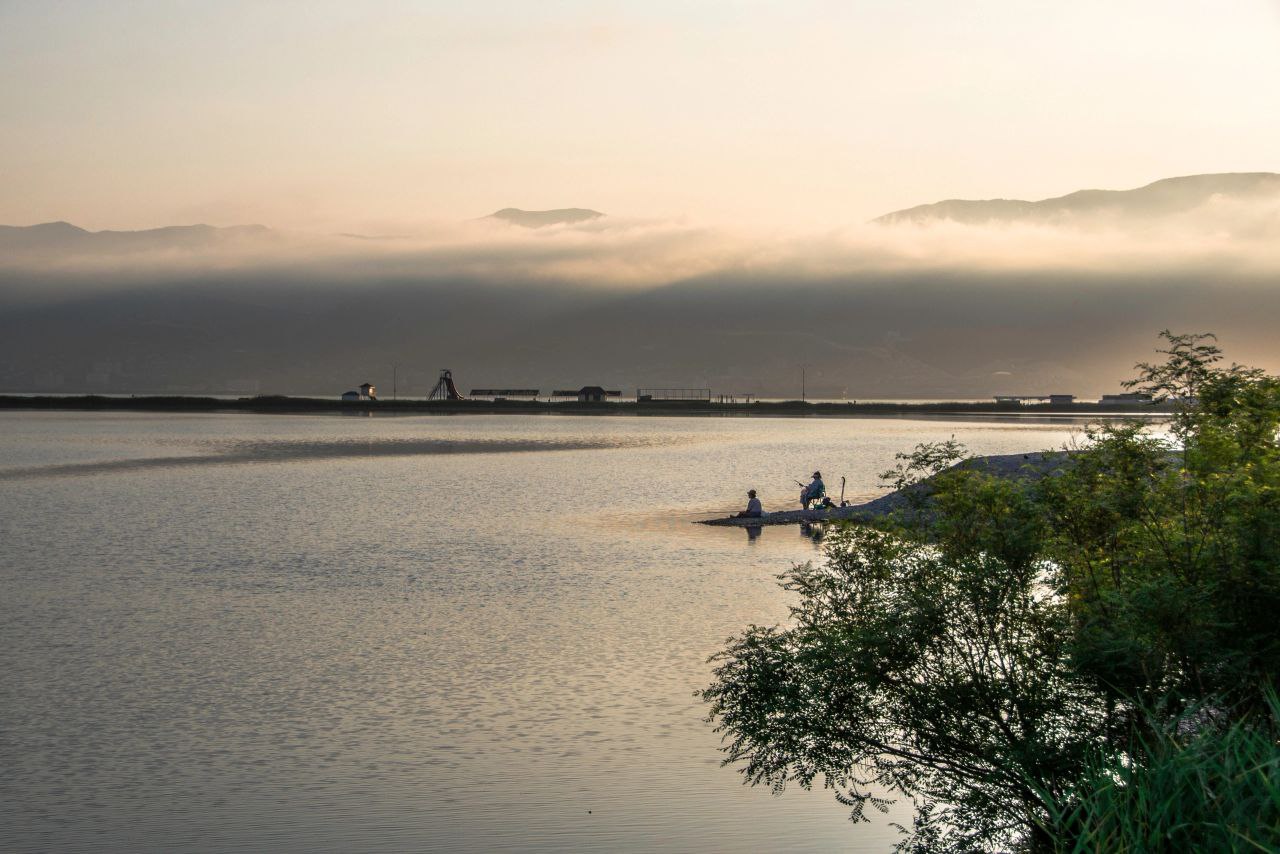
{"points": [[815, 491], [754, 510]]}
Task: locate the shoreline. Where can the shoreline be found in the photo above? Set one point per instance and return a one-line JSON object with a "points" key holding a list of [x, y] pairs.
{"points": [[1032, 465], [786, 409]]}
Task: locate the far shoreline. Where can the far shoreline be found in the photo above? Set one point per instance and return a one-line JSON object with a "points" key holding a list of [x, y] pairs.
{"points": [[285, 405]]}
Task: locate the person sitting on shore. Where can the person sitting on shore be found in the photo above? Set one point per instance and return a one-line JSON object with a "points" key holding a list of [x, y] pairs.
{"points": [[754, 510], [816, 491]]}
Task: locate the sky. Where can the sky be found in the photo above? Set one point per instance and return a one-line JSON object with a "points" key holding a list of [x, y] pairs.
{"points": [[386, 116], [739, 149]]}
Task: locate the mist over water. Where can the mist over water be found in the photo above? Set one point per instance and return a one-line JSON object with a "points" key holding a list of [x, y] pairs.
{"points": [[338, 637], [304, 450], [933, 309]]}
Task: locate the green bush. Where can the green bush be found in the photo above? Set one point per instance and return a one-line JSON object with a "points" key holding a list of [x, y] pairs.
{"points": [[1013, 653]]}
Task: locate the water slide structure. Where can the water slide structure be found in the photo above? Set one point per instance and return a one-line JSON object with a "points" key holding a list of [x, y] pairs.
{"points": [[445, 389]]}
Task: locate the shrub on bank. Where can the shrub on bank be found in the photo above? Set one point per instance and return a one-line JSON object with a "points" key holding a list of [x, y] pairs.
{"points": [[1015, 658]]}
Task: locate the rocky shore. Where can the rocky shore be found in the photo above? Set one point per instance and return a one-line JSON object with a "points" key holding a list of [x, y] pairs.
{"points": [[1032, 466]]}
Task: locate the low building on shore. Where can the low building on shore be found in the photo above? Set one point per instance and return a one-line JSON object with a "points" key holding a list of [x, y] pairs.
{"points": [[367, 392], [1129, 398], [1051, 399], [588, 394], [673, 395], [500, 394]]}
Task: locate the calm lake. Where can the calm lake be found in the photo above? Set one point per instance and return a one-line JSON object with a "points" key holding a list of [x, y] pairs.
{"points": [[340, 633]]}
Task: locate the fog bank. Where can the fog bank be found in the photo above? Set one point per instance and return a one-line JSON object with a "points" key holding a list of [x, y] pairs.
{"points": [[910, 310]]}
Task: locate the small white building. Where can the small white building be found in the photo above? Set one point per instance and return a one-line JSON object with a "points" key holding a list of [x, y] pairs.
{"points": [[367, 392]]}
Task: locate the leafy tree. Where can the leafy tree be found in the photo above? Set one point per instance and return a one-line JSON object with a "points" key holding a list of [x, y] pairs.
{"points": [[979, 652], [1169, 556], [924, 657]]}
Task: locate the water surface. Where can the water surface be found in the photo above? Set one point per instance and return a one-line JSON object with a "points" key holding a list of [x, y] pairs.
{"points": [[334, 633]]}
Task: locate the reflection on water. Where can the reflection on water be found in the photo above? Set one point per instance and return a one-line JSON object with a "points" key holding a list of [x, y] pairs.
{"points": [[450, 634], [814, 531], [240, 453]]}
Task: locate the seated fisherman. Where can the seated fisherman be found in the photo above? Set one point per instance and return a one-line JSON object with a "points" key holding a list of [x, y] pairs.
{"points": [[754, 510], [816, 491]]}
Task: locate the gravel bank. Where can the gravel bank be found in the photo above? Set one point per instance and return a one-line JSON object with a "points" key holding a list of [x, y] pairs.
{"points": [[1034, 466]]}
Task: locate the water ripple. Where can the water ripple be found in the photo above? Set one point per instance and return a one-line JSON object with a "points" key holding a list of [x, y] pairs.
{"points": [[304, 451]]}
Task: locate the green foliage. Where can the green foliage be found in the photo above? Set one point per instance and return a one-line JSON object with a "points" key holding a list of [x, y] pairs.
{"points": [[1169, 555], [926, 460], [1006, 645], [1188, 364], [935, 671], [1209, 788]]}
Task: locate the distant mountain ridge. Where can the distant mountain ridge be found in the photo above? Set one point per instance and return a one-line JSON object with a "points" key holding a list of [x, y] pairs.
{"points": [[540, 219], [64, 237], [1160, 198]]}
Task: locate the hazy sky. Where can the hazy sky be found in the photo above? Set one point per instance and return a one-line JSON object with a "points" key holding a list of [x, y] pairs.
{"points": [[374, 116]]}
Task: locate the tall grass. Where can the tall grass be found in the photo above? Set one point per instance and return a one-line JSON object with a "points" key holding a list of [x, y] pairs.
{"points": [[1217, 789]]}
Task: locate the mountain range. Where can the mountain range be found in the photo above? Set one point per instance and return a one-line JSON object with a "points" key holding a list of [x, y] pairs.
{"points": [[63, 236], [1159, 199], [1152, 202]]}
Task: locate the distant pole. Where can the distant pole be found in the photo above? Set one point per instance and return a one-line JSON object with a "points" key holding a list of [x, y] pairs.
{"points": [[395, 369], [803, 396]]}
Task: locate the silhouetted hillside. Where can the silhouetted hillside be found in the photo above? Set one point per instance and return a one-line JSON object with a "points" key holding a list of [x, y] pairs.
{"points": [[878, 335], [63, 237], [1162, 198]]}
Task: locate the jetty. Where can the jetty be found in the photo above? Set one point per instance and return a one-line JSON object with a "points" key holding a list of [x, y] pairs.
{"points": [[913, 499]]}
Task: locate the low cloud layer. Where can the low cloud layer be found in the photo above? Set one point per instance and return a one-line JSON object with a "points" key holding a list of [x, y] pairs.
{"points": [[912, 310]]}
